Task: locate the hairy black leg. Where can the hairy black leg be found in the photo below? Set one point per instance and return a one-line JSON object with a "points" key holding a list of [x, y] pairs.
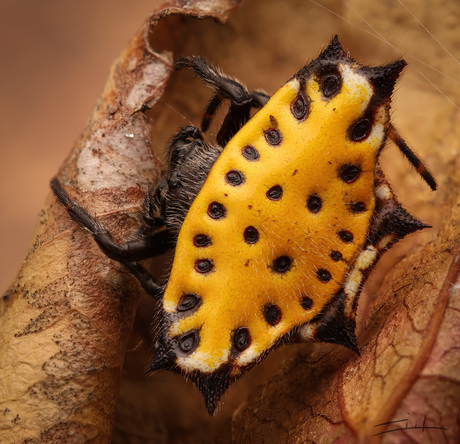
{"points": [[135, 250], [260, 96], [235, 119], [155, 202], [238, 115], [223, 84], [126, 253], [242, 100], [412, 158], [210, 111], [146, 279]]}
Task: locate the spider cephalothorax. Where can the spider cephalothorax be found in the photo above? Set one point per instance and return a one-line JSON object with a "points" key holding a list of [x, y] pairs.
{"points": [[275, 233]]}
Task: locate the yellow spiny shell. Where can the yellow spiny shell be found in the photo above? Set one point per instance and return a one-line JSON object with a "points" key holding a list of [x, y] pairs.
{"points": [[306, 162]]}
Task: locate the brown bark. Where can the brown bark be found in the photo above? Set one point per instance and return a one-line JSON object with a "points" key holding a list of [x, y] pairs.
{"points": [[69, 313]]}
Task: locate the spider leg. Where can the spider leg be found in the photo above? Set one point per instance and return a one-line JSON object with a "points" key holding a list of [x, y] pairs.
{"points": [[155, 201], [210, 111], [135, 250], [242, 100], [146, 280], [128, 252], [412, 158]]}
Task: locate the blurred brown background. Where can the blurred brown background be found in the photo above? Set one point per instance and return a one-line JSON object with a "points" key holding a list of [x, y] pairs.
{"points": [[56, 56]]}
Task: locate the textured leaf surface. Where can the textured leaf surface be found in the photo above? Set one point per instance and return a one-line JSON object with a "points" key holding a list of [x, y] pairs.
{"points": [[329, 394], [59, 375], [67, 317]]}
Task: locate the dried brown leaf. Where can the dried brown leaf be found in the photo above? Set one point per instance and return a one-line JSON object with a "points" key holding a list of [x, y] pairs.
{"points": [[68, 315], [74, 315]]}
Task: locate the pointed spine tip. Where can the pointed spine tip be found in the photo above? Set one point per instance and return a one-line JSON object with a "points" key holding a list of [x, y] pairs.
{"points": [[384, 78], [401, 223], [336, 328], [333, 50], [212, 387]]}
